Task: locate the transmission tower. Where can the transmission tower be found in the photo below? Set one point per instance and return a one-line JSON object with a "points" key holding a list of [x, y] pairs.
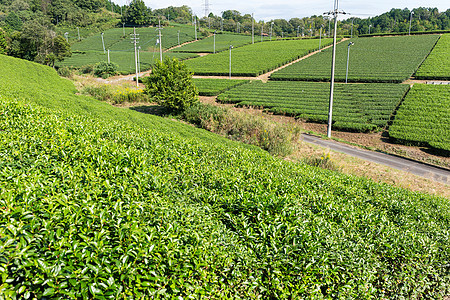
{"points": [[206, 7]]}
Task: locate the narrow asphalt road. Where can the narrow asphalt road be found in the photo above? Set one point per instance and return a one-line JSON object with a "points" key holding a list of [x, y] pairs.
{"points": [[424, 170]]}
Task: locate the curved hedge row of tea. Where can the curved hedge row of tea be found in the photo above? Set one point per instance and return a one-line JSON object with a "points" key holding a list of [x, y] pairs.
{"points": [[255, 59], [213, 87], [357, 107], [424, 117], [437, 64], [95, 204], [375, 59], [223, 41]]}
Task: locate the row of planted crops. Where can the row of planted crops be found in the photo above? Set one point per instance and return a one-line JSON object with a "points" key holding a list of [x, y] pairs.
{"points": [[382, 63], [98, 202]]}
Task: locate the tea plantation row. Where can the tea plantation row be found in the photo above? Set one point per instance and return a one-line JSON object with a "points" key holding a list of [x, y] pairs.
{"points": [[437, 64], [223, 41], [101, 202], [358, 107], [376, 59], [255, 59], [213, 87], [424, 117]]}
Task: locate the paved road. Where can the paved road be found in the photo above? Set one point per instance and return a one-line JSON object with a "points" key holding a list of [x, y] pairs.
{"points": [[420, 169]]}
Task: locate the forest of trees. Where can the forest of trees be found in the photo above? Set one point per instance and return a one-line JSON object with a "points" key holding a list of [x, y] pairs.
{"points": [[28, 28]]}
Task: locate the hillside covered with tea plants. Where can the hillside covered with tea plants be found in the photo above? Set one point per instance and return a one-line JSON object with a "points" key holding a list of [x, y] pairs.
{"points": [[98, 202]]}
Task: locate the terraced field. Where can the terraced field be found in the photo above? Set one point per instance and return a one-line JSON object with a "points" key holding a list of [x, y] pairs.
{"points": [[102, 202], [437, 64], [374, 59], [357, 107], [424, 117], [256, 59], [223, 41], [213, 87]]}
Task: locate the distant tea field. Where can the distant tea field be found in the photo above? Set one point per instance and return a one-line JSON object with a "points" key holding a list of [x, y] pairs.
{"points": [[374, 59], [437, 64]]}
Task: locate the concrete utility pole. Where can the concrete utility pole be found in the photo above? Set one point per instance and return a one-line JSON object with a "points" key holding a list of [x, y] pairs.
{"points": [[135, 41], [108, 57], [320, 38], [253, 30], [298, 30], [103, 43], [195, 27], [231, 47], [262, 31], [271, 28], [410, 19], [139, 60], [66, 35], [348, 58], [214, 41], [369, 27], [178, 38], [335, 13], [160, 41], [78, 29]]}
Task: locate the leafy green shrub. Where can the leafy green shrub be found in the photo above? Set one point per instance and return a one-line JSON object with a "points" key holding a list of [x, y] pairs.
{"points": [[324, 162], [171, 85], [87, 69], [104, 69], [65, 72], [277, 139]]}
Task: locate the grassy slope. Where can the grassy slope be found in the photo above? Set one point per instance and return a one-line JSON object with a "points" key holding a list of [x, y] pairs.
{"points": [[97, 200]]}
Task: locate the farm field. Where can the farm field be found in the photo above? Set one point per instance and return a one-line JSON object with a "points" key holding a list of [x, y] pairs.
{"points": [[256, 59], [424, 117], [223, 41], [357, 107], [375, 59], [115, 40], [213, 87], [98, 201], [124, 59], [437, 64]]}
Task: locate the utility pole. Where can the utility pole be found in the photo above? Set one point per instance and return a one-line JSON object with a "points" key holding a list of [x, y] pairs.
{"points": [[298, 30], [134, 40], [320, 38], [78, 29], [231, 47], [348, 58], [335, 13], [271, 30], [351, 35], [253, 30], [214, 41], [262, 31], [103, 43], [139, 60], [66, 35], [178, 38], [160, 41], [108, 57], [123, 27], [410, 19], [195, 27]]}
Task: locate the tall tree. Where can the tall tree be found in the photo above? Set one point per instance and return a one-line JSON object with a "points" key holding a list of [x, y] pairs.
{"points": [[137, 13]]}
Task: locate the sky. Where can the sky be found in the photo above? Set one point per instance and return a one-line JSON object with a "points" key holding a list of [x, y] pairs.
{"points": [[286, 9]]}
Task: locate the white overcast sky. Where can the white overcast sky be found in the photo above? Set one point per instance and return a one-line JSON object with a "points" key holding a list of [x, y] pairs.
{"points": [[287, 9]]}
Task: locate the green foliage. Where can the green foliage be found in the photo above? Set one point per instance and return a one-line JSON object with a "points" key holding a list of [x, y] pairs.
{"points": [[277, 139], [357, 107], [115, 95], [3, 44], [170, 84], [437, 64], [213, 87], [253, 60], [375, 59], [65, 72], [104, 69], [137, 13], [13, 21], [223, 42], [101, 202], [424, 117], [324, 162]]}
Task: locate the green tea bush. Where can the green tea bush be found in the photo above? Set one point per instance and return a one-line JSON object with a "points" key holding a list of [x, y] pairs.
{"points": [[99, 202], [65, 72], [104, 69], [170, 85]]}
